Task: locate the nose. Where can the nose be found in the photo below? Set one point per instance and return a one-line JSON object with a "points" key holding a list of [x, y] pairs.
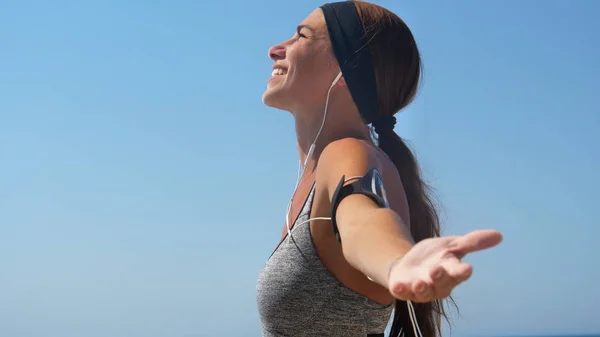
{"points": [[277, 52]]}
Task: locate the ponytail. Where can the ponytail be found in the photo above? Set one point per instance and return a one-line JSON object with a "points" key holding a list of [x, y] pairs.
{"points": [[396, 63], [424, 223]]}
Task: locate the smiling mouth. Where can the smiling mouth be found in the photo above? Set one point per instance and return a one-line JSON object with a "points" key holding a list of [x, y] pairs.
{"points": [[278, 72]]}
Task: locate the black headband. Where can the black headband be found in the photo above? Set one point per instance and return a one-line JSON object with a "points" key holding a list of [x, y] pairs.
{"points": [[351, 50]]}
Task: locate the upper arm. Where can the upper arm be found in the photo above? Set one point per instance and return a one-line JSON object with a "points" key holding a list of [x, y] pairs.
{"points": [[348, 158]]}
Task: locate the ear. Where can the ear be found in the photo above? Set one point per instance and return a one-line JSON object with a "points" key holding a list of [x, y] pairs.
{"points": [[342, 82]]}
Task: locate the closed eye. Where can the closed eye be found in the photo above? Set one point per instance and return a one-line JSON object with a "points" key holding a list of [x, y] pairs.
{"points": [[299, 30]]}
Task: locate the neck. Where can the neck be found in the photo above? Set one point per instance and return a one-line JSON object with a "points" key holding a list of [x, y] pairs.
{"points": [[342, 121]]}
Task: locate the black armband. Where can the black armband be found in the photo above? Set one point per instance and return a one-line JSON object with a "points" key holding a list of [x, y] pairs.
{"points": [[370, 185]]}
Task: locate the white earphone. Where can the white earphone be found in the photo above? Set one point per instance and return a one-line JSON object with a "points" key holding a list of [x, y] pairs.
{"points": [[312, 146]]}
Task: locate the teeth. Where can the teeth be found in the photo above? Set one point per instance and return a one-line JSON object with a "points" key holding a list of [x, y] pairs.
{"points": [[278, 71]]}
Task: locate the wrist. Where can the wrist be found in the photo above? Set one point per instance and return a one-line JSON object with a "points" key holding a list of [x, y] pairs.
{"points": [[394, 263]]}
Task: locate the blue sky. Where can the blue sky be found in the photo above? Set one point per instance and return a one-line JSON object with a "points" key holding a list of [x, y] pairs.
{"points": [[144, 184]]}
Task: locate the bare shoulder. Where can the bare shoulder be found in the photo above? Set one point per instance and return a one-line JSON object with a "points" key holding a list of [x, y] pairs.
{"points": [[351, 157]]}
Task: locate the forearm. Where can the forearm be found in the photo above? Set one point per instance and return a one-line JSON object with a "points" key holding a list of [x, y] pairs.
{"points": [[374, 242]]}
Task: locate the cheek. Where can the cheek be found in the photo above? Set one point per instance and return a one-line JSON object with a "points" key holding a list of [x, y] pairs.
{"points": [[309, 68], [305, 58]]}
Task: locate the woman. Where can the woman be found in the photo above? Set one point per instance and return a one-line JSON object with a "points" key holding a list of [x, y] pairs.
{"points": [[353, 248]]}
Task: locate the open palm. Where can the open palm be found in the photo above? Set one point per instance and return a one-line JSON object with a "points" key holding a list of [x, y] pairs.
{"points": [[433, 267]]}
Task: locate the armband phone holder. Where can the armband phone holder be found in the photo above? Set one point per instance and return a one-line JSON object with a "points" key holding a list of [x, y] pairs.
{"points": [[371, 185]]}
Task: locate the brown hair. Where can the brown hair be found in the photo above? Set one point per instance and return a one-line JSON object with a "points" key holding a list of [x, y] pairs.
{"points": [[397, 64]]}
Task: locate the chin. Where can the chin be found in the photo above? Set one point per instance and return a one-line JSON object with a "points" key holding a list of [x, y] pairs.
{"points": [[272, 98], [267, 99]]}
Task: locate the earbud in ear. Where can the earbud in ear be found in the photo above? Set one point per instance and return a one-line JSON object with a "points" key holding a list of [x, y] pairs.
{"points": [[337, 78]]}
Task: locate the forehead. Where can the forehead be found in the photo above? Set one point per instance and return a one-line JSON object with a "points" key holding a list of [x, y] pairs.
{"points": [[316, 21]]}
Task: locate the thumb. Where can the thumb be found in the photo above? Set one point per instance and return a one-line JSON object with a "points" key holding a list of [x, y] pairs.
{"points": [[475, 241]]}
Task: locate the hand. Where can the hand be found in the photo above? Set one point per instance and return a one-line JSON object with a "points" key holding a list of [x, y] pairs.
{"points": [[433, 267]]}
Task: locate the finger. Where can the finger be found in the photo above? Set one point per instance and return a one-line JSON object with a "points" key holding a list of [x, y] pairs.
{"points": [[423, 291], [401, 291], [475, 241], [442, 282], [459, 271]]}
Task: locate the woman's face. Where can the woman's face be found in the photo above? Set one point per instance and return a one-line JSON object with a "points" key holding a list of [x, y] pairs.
{"points": [[304, 67]]}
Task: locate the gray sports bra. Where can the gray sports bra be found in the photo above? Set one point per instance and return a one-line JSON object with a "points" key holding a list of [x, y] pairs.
{"points": [[298, 296]]}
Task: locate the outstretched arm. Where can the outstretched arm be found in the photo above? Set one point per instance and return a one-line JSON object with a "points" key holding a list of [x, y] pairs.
{"points": [[372, 237], [378, 243]]}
